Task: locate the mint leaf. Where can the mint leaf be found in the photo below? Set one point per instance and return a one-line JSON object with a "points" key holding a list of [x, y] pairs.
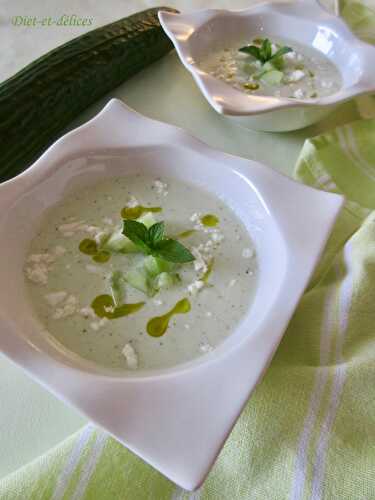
{"points": [[264, 52], [173, 251], [252, 50], [152, 241], [280, 53], [137, 233], [155, 234]]}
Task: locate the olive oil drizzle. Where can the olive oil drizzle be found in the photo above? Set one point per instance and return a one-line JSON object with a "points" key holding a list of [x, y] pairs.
{"points": [[157, 326], [90, 247], [209, 220], [137, 211], [187, 233], [104, 307]]}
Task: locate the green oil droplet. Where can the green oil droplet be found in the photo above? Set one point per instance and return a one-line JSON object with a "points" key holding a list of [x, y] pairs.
{"points": [[101, 257], [207, 274], [251, 86], [209, 220], [157, 326], [104, 307], [88, 247], [186, 234], [136, 212]]}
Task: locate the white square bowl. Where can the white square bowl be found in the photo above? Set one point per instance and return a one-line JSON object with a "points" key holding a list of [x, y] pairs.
{"points": [[176, 419]]}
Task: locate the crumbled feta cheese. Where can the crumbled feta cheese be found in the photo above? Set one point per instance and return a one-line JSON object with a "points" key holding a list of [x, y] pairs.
{"points": [[38, 267], [38, 275], [247, 253], [131, 356], [108, 221], [205, 347], [100, 237], [194, 287], [70, 228], [232, 282], [132, 202], [160, 187], [195, 217], [217, 237], [200, 264], [109, 309], [93, 230], [291, 56], [97, 325], [299, 94], [55, 298], [158, 302], [68, 308], [87, 312], [296, 75], [41, 258]]}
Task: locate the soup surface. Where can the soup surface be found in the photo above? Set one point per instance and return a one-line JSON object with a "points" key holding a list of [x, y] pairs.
{"points": [[121, 305], [276, 67]]}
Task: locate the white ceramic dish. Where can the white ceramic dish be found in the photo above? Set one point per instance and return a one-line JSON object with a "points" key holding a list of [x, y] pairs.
{"points": [[175, 419], [307, 23]]}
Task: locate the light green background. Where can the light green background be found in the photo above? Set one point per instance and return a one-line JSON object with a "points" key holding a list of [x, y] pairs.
{"points": [[31, 420]]}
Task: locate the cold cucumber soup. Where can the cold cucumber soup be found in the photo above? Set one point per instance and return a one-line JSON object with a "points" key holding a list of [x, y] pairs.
{"points": [[276, 67], [138, 272]]}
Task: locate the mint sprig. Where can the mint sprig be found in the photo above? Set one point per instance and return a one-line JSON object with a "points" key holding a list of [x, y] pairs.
{"points": [[264, 52], [152, 241]]}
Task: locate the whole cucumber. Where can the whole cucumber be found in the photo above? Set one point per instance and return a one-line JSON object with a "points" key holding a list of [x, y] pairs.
{"points": [[39, 101]]}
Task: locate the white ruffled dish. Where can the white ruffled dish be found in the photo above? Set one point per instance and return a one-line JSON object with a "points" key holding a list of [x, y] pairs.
{"points": [[178, 418], [306, 22]]}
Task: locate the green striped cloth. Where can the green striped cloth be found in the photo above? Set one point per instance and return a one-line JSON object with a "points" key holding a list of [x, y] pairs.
{"points": [[308, 432]]}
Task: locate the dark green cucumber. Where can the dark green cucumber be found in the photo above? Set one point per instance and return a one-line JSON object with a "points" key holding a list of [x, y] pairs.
{"points": [[39, 101]]}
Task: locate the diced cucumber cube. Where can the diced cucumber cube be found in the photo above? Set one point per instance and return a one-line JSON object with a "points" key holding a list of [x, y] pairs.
{"points": [[138, 278], [117, 286], [147, 219], [249, 68], [155, 265], [268, 66], [117, 242], [272, 78], [165, 280]]}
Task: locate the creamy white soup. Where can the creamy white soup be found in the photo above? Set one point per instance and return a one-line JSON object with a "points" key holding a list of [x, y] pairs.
{"points": [[171, 290], [276, 67]]}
